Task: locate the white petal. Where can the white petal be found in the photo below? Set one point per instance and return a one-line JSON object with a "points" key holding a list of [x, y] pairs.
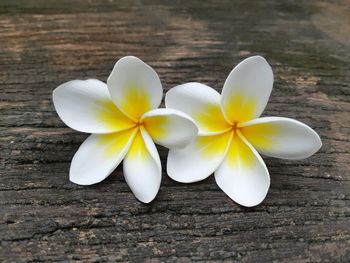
{"points": [[142, 168], [247, 89], [199, 159], [85, 105], [202, 103], [99, 155], [243, 175], [281, 137], [135, 87], [170, 128]]}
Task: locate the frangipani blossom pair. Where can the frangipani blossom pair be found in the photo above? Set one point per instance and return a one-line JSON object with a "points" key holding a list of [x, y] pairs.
{"points": [[206, 132]]}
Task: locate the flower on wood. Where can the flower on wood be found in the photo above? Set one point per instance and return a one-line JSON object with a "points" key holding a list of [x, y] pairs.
{"points": [[231, 134], [125, 121]]}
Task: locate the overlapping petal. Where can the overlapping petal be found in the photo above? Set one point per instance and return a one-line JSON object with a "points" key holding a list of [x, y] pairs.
{"points": [[99, 155], [134, 87], [86, 106], [243, 175], [281, 137], [247, 90], [199, 159], [202, 103], [170, 128], [142, 167]]}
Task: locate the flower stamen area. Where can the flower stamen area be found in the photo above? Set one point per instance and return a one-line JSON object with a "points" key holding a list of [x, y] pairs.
{"points": [[239, 153], [139, 124], [234, 127]]}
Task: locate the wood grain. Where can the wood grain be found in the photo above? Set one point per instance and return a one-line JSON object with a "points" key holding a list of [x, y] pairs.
{"points": [[44, 217]]}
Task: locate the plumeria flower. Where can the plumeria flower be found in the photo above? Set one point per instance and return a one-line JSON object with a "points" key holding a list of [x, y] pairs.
{"points": [[231, 134], [124, 120]]}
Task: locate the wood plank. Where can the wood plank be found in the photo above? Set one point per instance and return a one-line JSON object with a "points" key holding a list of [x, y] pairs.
{"points": [[44, 217]]}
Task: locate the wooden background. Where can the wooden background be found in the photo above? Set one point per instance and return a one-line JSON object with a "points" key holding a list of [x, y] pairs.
{"points": [[44, 217]]}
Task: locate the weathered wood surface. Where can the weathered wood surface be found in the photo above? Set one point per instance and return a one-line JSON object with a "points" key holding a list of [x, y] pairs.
{"points": [[44, 217]]}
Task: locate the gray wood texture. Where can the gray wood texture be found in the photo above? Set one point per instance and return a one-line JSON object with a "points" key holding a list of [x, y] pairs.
{"points": [[44, 217]]}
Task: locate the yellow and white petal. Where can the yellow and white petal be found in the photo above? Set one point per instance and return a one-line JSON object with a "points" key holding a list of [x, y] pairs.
{"points": [[199, 159], [170, 128], [142, 167], [86, 106], [243, 175], [135, 87], [202, 103], [281, 137], [247, 89], [99, 155]]}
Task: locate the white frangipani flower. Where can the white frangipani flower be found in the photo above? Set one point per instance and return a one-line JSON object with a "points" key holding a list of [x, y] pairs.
{"points": [[124, 120], [231, 133]]}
